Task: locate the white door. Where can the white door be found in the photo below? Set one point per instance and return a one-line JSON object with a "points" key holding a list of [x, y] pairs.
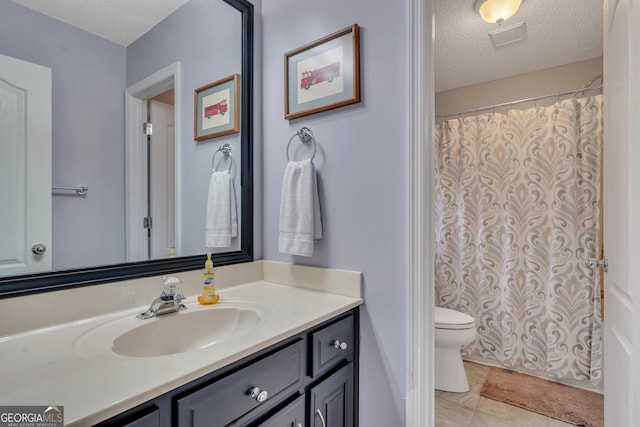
{"points": [[162, 180], [622, 211], [25, 166]]}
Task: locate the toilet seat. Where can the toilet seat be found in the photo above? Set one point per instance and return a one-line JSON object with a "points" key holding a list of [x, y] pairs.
{"points": [[446, 318]]}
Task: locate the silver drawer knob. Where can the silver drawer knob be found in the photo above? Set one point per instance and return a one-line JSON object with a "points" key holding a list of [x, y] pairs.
{"points": [[38, 248], [340, 345], [259, 395]]}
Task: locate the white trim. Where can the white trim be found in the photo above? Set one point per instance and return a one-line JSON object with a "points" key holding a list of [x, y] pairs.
{"points": [[136, 96], [420, 298], [135, 112]]}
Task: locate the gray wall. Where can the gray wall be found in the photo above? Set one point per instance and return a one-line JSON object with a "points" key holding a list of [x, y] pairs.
{"points": [[363, 179], [203, 60], [88, 75]]}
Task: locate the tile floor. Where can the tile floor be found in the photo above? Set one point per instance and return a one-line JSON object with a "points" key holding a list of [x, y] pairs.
{"points": [[472, 410]]}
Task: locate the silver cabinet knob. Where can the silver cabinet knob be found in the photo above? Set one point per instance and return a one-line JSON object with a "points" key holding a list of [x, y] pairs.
{"points": [[259, 395], [38, 248], [340, 345], [262, 396]]}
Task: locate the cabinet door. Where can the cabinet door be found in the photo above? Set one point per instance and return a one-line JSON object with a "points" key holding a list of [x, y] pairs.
{"points": [[290, 416], [331, 403]]}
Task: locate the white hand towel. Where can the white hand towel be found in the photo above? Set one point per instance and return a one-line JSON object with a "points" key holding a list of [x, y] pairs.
{"points": [[222, 220], [300, 221]]}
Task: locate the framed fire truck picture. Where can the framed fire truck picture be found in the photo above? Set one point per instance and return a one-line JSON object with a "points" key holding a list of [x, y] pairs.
{"points": [[217, 109], [323, 75]]}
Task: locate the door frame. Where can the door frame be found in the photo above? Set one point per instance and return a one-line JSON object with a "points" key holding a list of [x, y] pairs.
{"points": [[421, 95], [419, 383], [136, 97], [621, 206]]}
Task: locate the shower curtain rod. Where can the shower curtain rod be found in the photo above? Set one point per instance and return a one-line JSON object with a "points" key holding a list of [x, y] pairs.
{"points": [[520, 101]]}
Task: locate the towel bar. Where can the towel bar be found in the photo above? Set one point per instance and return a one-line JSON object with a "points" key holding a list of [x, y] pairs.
{"points": [[80, 190]]}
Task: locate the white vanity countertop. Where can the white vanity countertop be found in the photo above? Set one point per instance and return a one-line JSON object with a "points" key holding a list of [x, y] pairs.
{"points": [[47, 367]]}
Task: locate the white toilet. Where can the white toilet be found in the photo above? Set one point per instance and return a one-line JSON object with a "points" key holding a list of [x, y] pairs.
{"points": [[454, 330]]}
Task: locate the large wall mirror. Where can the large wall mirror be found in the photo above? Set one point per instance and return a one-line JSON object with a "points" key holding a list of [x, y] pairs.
{"points": [[118, 203]]}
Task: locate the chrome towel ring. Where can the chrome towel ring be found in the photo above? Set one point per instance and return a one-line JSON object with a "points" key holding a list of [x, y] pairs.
{"points": [[306, 136], [226, 151]]}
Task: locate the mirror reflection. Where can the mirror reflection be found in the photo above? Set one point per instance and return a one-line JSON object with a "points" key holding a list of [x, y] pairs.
{"points": [[97, 190]]}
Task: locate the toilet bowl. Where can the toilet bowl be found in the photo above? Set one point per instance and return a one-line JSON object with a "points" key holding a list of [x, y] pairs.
{"points": [[454, 330]]}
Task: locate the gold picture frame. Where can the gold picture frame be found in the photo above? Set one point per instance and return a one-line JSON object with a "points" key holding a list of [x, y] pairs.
{"points": [[217, 108], [323, 75]]}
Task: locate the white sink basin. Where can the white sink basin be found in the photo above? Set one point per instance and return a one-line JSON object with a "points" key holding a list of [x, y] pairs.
{"points": [[189, 330], [185, 331]]}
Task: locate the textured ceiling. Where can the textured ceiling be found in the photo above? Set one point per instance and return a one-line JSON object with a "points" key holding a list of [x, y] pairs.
{"points": [[120, 21], [559, 32]]}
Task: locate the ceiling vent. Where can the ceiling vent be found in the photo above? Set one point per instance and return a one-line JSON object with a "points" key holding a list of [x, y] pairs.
{"points": [[509, 34]]}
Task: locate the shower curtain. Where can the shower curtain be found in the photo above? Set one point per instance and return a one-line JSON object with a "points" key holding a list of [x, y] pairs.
{"points": [[517, 214]]}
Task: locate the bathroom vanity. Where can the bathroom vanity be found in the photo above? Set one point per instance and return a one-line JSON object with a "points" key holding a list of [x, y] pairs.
{"points": [[279, 349], [309, 379]]}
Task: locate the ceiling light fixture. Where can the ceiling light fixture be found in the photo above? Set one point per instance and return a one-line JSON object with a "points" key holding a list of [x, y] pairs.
{"points": [[496, 11]]}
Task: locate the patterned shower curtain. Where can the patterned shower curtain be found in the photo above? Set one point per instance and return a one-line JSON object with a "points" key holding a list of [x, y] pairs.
{"points": [[517, 214]]}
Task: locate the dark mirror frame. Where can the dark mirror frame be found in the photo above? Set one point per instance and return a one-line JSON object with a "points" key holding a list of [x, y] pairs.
{"points": [[63, 279]]}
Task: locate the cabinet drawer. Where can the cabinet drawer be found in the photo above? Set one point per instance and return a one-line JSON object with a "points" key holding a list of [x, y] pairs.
{"points": [[145, 417], [220, 403], [149, 420], [290, 416], [331, 344]]}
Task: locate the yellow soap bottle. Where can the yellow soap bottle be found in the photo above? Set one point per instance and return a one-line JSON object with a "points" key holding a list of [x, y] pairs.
{"points": [[209, 295]]}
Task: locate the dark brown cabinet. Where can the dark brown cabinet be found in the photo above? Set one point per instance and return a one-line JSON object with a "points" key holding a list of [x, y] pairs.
{"points": [[151, 419], [331, 401], [331, 344], [224, 401], [308, 380], [293, 415]]}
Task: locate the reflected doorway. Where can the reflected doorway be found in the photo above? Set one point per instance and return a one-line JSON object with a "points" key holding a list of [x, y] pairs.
{"points": [[152, 175]]}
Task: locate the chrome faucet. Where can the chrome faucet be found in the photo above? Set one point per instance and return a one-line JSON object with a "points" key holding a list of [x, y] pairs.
{"points": [[168, 302]]}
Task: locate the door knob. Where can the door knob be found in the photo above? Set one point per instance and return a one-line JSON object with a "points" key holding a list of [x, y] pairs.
{"points": [[38, 248]]}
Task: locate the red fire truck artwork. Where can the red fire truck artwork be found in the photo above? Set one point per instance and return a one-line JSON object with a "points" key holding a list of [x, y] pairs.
{"points": [[217, 108], [328, 73]]}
